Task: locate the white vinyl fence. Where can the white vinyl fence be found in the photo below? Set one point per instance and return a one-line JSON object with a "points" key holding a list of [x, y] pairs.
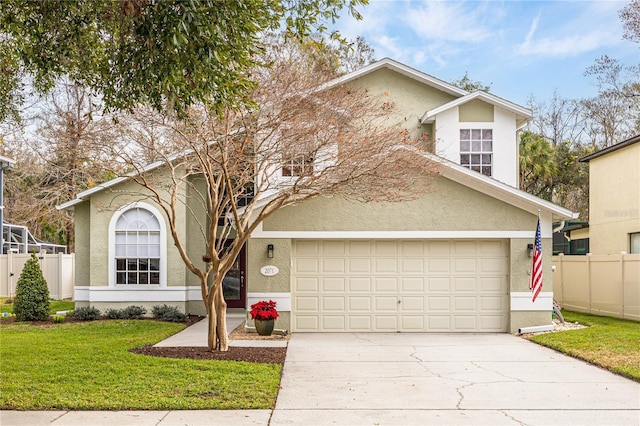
{"points": [[606, 285], [58, 270]]}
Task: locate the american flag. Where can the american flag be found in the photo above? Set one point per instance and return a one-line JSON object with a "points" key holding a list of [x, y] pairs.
{"points": [[536, 268]]}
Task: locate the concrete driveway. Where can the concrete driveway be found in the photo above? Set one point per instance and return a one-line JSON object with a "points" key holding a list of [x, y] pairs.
{"points": [[445, 379]]}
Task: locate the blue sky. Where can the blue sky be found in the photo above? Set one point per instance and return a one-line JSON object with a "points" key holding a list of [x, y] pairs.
{"points": [[519, 47]]}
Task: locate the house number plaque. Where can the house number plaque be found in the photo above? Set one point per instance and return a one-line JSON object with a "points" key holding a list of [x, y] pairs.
{"points": [[269, 270]]}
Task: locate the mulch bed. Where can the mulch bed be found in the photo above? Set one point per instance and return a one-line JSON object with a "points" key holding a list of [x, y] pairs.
{"points": [[248, 354]]}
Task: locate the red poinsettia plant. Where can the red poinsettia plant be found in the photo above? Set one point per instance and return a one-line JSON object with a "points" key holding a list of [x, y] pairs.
{"points": [[264, 310]]}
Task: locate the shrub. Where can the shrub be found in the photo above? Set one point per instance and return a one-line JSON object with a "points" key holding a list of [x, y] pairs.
{"points": [[133, 312], [130, 312], [86, 313], [167, 313], [32, 294], [58, 319], [112, 313]]}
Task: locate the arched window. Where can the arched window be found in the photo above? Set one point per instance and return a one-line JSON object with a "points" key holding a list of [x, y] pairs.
{"points": [[137, 246]]}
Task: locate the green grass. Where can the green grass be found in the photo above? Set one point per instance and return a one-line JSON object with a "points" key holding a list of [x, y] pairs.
{"points": [[87, 366], [611, 343], [55, 305]]}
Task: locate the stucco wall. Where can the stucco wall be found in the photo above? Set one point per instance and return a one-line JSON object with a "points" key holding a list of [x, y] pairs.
{"points": [[82, 224], [614, 200], [476, 111], [412, 99], [448, 206]]}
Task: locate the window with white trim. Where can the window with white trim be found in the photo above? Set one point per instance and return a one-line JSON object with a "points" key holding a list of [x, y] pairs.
{"points": [[297, 165], [137, 247], [476, 150]]}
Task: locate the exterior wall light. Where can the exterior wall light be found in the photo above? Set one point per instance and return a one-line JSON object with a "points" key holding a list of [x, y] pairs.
{"points": [[530, 249], [270, 250]]}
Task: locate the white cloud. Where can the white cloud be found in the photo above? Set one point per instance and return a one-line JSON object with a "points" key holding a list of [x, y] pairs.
{"points": [[447, 21]]}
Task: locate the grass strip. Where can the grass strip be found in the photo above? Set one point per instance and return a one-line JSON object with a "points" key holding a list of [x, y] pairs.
{"points": [[88, 366], [54, 305], [611, 343]]}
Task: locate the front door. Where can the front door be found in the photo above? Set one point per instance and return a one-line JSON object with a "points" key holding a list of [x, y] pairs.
{"points": [[233, 285]]}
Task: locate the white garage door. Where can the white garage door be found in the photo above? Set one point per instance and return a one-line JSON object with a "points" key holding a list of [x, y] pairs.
{"points": [[407, 285]]}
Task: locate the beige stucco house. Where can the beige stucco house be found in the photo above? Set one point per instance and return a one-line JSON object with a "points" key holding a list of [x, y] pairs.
{"points": [[453, 260], [614, 198]]}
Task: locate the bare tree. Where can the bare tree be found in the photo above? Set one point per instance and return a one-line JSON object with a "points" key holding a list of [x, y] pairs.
{"points": [[302, 139], [63, 157], [630, 16]]}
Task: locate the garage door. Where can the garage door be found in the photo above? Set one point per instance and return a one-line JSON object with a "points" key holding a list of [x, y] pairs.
{"points": [[406, 285]]}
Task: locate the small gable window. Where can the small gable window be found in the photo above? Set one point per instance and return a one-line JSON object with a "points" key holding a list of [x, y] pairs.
{"points": [[476, 150], [137, 247]]}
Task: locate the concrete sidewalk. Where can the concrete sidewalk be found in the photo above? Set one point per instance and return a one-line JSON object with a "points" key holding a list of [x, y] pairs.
{"points": [[410, 379]]}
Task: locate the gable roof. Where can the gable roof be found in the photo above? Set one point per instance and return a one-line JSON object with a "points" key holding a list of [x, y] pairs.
{"points": [[610, 149], [401, 69], [499, 190], [521, 112]]}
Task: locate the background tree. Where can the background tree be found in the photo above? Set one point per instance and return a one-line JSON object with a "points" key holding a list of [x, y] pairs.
{"points": [[169, 54], [64, 156], [469, 85], [537, 165], [241, 166], [630, 17]]}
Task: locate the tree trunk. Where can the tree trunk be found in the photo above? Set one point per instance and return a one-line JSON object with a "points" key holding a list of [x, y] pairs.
{"points": [[217, 337]]}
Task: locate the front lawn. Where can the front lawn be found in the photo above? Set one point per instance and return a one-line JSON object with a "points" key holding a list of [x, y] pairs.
{"points": [[88, 366], [54, 305], [611, 343]]}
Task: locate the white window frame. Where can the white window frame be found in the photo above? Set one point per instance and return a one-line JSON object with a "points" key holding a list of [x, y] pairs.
{"points": [[481, 152], [112, 246], [634, 236], [299, 165]]}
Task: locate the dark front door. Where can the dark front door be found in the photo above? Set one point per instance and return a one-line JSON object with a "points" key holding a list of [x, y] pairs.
{"points": [[233, 285]]}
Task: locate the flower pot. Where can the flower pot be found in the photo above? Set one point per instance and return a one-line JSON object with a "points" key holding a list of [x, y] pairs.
{"points": [[264, 327]]}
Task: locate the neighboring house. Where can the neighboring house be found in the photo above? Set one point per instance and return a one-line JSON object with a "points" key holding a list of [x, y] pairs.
{"points": [[614, 198], [571, 237], [453, 260]]}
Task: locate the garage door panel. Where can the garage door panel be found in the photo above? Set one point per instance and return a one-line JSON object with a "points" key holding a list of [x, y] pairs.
{"points": [[412, 284], [333, 265], [333, 322], [386, 266], [362, 304], [465, 285], [407, 285], [360, 323], [439, 303], [438, 266], [386, 285], [438, 284], [307, 322], [306, 266], [333, 303], [360, 265], [412, 323], [307, 303], [412, 266], [465, 323], [386, 322], [306, 285], [333, 284], [360, 284], [439, 323], [464, 265], [467, 304], [386, 304]]}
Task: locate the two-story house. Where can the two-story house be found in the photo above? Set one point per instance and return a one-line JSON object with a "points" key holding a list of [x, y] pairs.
{"points": [[614, 198], [453, 260]]}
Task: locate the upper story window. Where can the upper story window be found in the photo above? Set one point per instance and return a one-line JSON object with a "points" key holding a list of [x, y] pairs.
{"points": [[634, 242], [297, 165], [476, 150], [137, 247]]}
